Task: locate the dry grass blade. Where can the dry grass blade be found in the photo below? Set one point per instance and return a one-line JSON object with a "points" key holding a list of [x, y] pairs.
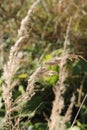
{"points": [[78, 112]]}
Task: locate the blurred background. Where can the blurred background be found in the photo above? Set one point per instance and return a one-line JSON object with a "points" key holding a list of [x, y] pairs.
{"points": [[47, 30]]}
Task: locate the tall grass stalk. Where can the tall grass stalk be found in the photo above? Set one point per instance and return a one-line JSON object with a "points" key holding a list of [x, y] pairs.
{"points": [[11, 68], [60, 88]]}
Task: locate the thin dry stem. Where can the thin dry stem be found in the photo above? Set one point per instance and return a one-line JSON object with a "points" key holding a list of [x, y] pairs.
{"points": [[78, 111]]}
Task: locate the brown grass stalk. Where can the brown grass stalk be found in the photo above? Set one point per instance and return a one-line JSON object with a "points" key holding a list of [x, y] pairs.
{"points": [[60, 87], [68, 113]]}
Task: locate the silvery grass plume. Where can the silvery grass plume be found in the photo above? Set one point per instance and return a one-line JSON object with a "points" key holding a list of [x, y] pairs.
{"points": [[9, 71], [12, 66], [68, 113], [24, 23], [30, 90]]}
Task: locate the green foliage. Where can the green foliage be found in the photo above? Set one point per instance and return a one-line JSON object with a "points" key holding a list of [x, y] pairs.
{"points": [[80, 67], [47, 30], [75, 128]]}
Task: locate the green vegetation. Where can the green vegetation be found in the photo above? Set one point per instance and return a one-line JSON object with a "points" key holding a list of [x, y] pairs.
{"points": [[43, 65]]}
